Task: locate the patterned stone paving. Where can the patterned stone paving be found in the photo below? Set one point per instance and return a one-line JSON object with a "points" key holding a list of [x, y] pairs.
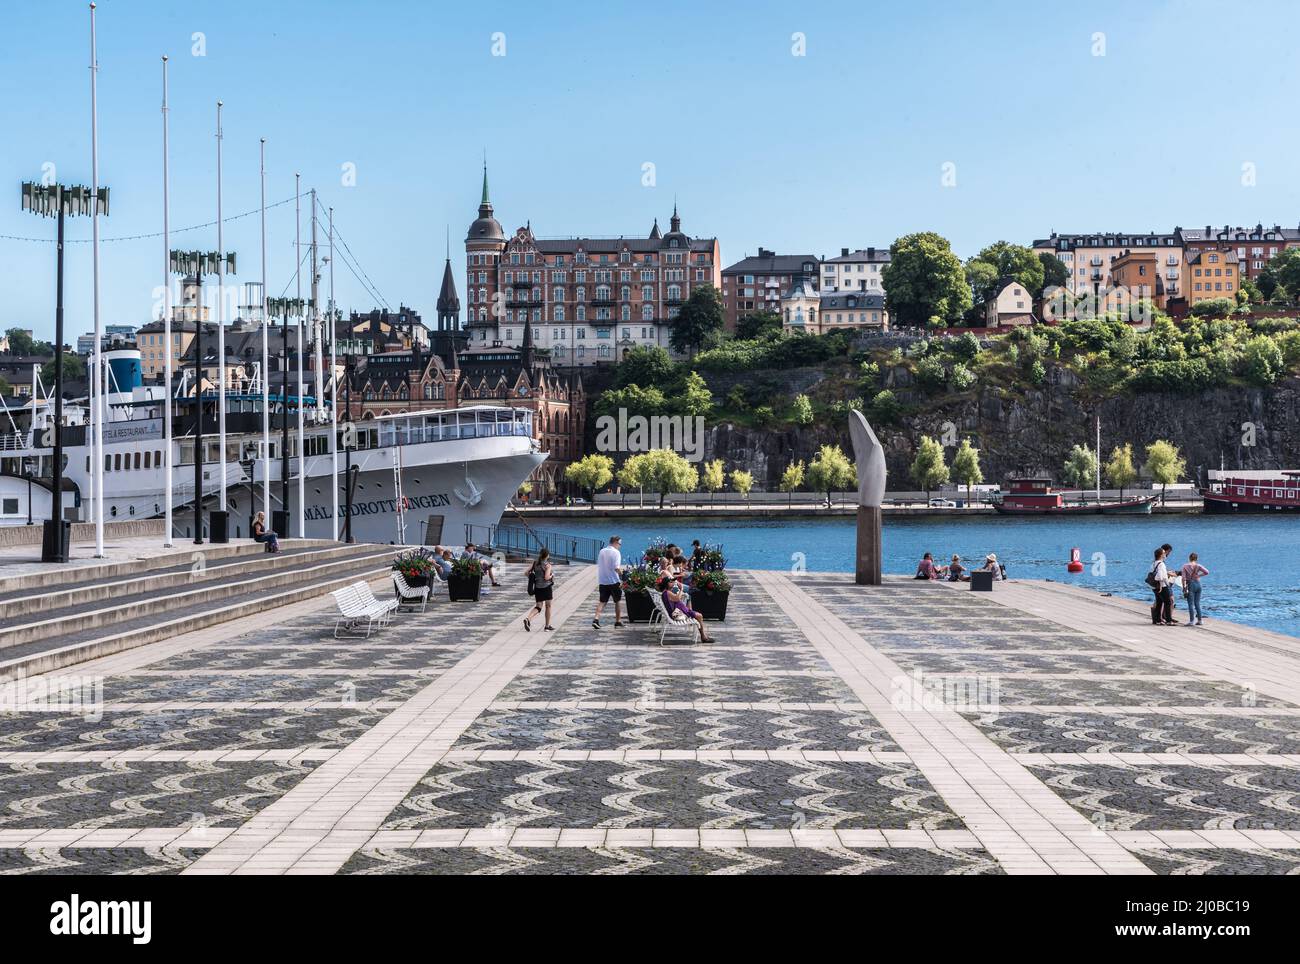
{"points": [[453, 742]]}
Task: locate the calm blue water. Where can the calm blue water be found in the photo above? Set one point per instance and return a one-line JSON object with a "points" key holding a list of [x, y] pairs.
{"points": [[1253, 561]]}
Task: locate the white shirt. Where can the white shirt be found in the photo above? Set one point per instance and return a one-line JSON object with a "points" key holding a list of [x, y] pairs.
{"points": [[608, 563]]}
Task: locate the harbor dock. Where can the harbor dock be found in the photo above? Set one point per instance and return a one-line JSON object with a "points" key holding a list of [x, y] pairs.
{"points": [[832, 728]]}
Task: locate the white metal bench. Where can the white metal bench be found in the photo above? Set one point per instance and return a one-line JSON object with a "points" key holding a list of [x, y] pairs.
{"points": [[668, 622], [410, 596], [354, 609], [386, 606]]}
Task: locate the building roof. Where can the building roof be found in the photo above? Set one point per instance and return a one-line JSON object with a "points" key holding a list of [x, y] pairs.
{"points": [[614, 245], [448, 300], [768, 262], [1107, 239], [852, 299], [1197, 257], [1260, 232], [802, 288], [485, 227], [869, 255]]}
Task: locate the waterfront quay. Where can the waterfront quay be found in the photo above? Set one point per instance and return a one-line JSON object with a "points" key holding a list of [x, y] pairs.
{"points": [[909, 728]]}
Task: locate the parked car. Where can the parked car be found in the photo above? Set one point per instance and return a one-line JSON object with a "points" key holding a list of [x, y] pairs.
{"points": [[942, 504]]}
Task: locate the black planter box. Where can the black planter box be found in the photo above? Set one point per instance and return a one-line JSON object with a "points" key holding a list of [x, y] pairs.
{"points": [[639, 605], [462, 589], [711, 604], [415, 582]]}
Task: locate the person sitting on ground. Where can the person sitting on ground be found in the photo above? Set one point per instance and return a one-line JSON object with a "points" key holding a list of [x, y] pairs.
{"points": [[697, 553], [927, 568], [992, 565], [956, 571], [675, 601], [485, 561], [262, 534]]}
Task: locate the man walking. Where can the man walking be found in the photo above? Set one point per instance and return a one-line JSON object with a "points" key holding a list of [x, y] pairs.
{"points": [[609, 574]]}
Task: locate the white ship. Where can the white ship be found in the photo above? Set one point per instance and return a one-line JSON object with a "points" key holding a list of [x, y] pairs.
{"points": [[416, 478]]}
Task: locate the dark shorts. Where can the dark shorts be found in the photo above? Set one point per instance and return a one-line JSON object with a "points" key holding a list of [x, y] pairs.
{"points": [[610, 591], [544, 595]]}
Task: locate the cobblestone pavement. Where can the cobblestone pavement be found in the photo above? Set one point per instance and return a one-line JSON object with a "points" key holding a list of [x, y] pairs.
{"points": [[832, 729]]}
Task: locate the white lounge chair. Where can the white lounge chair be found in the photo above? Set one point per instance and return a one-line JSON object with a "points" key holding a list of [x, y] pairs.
{"points": [[408, 595], [670, 622], [386, 606], [354, 610]]}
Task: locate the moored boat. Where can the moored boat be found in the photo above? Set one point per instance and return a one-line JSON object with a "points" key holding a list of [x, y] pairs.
{"points": [[1252, 490], [1036, 496]]}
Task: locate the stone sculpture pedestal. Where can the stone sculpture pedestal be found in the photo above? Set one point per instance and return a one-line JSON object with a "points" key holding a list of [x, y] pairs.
{"points": [[870, 521]]}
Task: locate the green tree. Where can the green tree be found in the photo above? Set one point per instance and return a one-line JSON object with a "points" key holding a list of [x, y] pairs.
{"points": [[645, 366], [712, 476], [694, 398], [591, 472], [5, 387], [1285, 268], [20, 342], [801, 410], [929, 470], [831, 471], [74, 369], [756, 324], [1119, 468], [635, 474], [1002, 259], [884, 409], [742, 482], [663, 471], [633, 399], [792, 479], [925, 280], [1080, 469], [1055, 273], [699, 321], [1262, 361], [1164, 464], [966, 467]]}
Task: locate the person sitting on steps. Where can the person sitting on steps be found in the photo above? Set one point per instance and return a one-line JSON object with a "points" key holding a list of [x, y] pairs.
{"points": [[263, 535]]}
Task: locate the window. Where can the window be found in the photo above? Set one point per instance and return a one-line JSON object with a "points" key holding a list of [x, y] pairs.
{"points": [[9, 507]]}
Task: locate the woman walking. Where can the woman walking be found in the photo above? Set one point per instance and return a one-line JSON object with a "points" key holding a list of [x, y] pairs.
{"points": [[1192, 572], [543, 589]]}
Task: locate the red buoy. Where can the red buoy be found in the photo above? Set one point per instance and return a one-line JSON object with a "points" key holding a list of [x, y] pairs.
{"points": [[1075, 564]]}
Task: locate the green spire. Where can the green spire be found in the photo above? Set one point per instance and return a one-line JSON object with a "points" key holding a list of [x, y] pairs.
{"points": [[485, 186]]}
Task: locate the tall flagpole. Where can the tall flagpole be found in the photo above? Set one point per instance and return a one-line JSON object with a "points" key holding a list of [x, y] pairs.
{"points": [[319, 360], [221, 332], [334, 387], [167, 335], [297, 275], [266, 366], [97, 382]]}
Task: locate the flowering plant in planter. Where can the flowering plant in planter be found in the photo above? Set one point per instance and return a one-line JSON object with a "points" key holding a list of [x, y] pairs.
{"points": [[712, 560], [639, 578], [658, 548], [710, 580], [415, 565], [463, 568]]}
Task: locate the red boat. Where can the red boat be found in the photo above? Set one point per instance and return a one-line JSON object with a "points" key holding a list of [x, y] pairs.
{"points": [[1031, 496], [1253, 491]]}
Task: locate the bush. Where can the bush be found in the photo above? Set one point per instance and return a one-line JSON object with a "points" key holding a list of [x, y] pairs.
{"points": [[1184, 375], [930, 374], [1261, 360], [1214, 308], [884, 409], [963, 379]]}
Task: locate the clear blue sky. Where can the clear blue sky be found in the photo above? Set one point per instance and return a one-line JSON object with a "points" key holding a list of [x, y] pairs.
{"points": [[841, 147]]}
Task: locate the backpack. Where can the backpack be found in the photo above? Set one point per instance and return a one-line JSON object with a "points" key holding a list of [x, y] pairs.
{"points": [[1151, 578], [532, 579]]}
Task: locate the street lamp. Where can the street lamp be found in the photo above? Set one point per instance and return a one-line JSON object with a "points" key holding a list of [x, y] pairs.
{"points": [[58, 201], [199, 263], [285, 307]]}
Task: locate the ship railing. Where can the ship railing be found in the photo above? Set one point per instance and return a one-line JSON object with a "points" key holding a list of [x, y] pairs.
{"points": [[453, 426], [13, 441], [517, 540]]}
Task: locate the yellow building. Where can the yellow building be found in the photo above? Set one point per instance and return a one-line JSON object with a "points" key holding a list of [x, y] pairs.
{"points": [[1211, 274]]}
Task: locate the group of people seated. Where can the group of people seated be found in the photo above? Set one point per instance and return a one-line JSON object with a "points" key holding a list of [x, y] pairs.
{"points": [[674, 584], [955, 571], [444, 557]]}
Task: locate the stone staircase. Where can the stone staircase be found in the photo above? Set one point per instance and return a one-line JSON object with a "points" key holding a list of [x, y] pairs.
{"points": [[48, 621]]}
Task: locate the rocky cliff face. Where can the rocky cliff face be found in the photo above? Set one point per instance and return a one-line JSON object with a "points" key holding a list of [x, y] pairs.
{"points": [[1034, 431]]}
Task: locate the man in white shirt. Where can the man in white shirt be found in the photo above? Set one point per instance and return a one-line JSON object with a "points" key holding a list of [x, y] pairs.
{"points": [[609, 575]]}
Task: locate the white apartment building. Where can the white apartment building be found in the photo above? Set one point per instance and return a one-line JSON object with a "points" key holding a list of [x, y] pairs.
{"points": [[855, 270]]}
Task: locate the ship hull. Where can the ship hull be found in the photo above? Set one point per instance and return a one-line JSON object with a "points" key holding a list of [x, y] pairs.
{"points": [[1217, 504]]}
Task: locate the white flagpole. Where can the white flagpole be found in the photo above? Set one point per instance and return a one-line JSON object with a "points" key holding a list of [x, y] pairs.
{"points": [[167, 337], [319, 360], [297, 274], [266, 370], [221, 332], [97, 382], [334, 387]]}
